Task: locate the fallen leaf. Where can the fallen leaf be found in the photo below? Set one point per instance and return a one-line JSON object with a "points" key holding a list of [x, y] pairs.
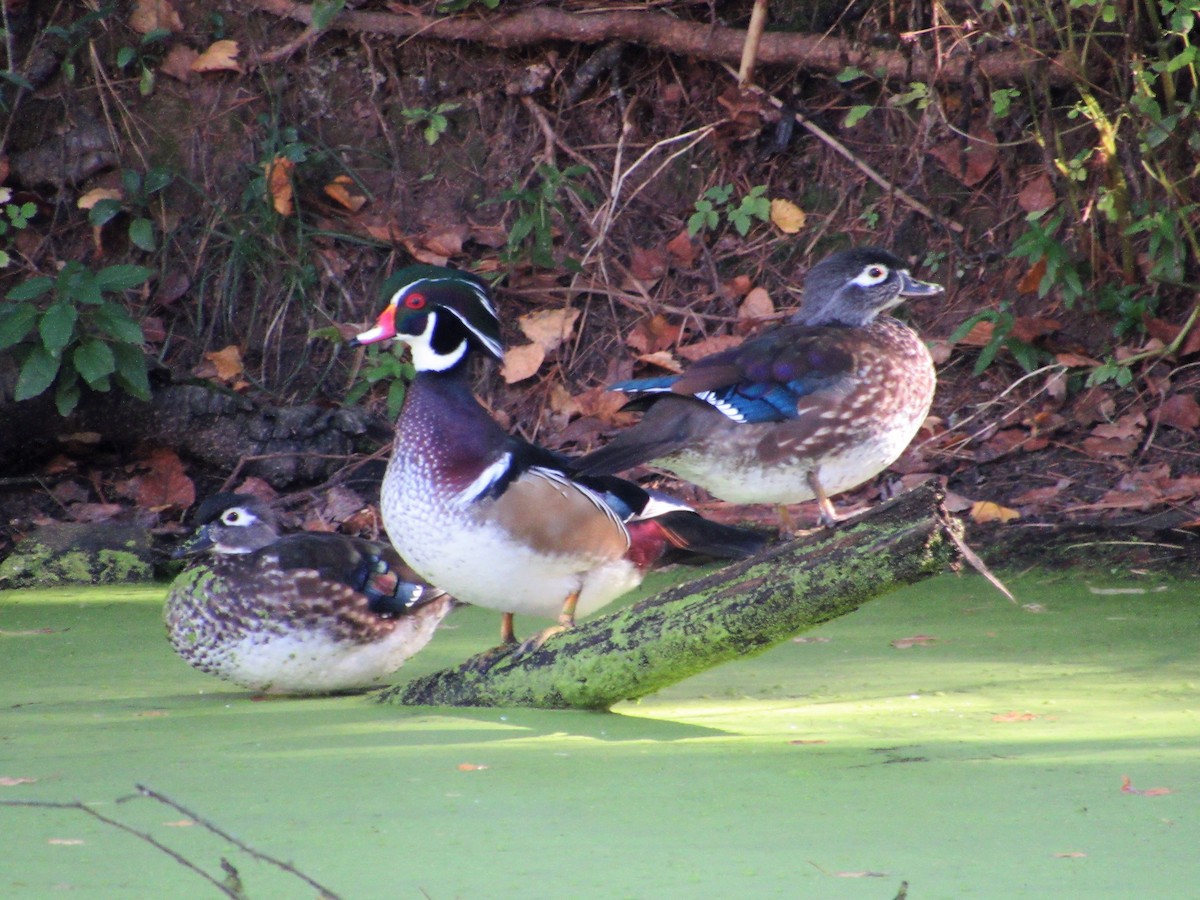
{"points": [[279, 184], [808, 742], [1070, 854], [1014, 716], [548, 327], [1128, 788], [653, 334], [219, 57], [10, 781], [446, 242], [811, 640], [1075, 360], [738, 285], [972, 163], [171, 287], [165, 485], [65, 842], [1179, 411], [1036, 194], [154, 15], [153, 329], [756, 305], [95, 195], [708, 346], [984, 511], [151, 714], [1041, 496], [980, 334], [917, 640], [1130, 425], [228, 362], [178, 62], [94, 512], [863, 874], [471, 767], [1030, 328], [522, 362], [339, 191], [180, 823], [682, 249], [663, 359], [1032, 279], [648, 264], [787, 216]]}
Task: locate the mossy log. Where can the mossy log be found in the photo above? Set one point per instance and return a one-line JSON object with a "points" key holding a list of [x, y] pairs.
{"points": [[737, 611]]}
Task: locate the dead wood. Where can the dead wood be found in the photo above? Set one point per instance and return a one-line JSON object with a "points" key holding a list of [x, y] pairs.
{"points": [[695, 40], [737, 611]]}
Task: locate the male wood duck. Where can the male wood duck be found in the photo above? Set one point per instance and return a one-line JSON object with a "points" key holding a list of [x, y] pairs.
{"points": [[303, 613], [809, 409], [492, 518]]}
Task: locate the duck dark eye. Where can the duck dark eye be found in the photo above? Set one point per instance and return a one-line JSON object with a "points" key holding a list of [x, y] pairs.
{"points": [[415, 301], [877, 273], [232, 517]]}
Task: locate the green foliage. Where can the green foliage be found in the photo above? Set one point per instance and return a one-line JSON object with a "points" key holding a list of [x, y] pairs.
{"points": [[538, 206], [143, 57], [1039, 245], [1027, 356], [66, 331], [459, 5], [433, 122], [71, 40], [718, 201], [324, 12], [1110, 370], [139, 192], [856, 114], [383, 366], [14, 218]]}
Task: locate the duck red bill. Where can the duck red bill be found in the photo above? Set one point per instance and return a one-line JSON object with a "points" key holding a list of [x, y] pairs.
{"points": [[385, 327]]}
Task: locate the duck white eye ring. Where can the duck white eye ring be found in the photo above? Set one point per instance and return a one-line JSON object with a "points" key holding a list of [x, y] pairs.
{"points": [[874, 274], [232, 517]]}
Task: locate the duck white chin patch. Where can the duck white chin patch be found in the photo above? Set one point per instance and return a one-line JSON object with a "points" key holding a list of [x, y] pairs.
{"points": [[424, 357]]}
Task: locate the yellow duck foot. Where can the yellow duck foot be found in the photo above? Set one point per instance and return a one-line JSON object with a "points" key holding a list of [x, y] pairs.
{"points": [[566, 621]]}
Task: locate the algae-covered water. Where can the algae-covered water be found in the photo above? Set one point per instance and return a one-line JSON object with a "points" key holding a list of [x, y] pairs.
{"points": [[985, 758]]}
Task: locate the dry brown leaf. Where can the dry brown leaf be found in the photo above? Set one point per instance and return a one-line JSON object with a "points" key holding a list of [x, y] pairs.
{"points": [[980, 335], [984, 511], [708, 346], [757, 305], [415, 249], [1099, 447], [653, 334], [1128, 788], [154, 331], [663, 359], [471, 767], [1179, 411], [446, 242], [1014, 716], [219, 57], [95, 195], [738, 286], [682, 249], [969, 164], [339, 191], [228, 362], [548, 327], [279, 184], [561, 402], [1070, 854], [166, 484], [154, 15], [180, 823], [917, 640], [1130, 425], [1030, 328], [1032, 279], [1036, 194], [65, 842], [10, 781], [178, 63], [522, 362], [787, 216], [1043, 495], [95, 512], [1075, 360], [648, 264]]}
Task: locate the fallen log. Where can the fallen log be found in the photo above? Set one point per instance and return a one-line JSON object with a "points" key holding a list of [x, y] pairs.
{"points": [[737, 611]]}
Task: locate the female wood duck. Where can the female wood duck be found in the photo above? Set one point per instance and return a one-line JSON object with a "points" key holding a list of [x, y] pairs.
{"points": [[496, 520], [812, 408], [300, 614]]}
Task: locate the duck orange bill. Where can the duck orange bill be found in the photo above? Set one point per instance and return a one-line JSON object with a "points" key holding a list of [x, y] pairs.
{"points": [[385, 327]]}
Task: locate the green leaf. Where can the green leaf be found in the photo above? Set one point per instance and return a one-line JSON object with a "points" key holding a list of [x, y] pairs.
{"points": [[19, 80], [157, 179], [856, 115], [113, 320], [324, 12], [94, 360], [103, 211], [57, 326], [66, 395], [16, 321], [141, 232], [121, 278], [37, 373], [125, 56], [31, 289], [131, 370], [78, 284], [146, 82], [849, 74]]}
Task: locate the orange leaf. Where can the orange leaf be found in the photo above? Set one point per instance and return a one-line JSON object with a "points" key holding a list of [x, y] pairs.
{"points": [[471, 767], [1037, 194], [1179, 411], [522, 362], [178, 62], [228, 362], [663, 359], [648, 265], [279, 184], [1014, 716], [980, 335], [339, 191], [1128, 788], [917, 640], [166, 485], [154, 15], [1031, 279], [984, 511], [219, 57], [787, 216], [969, 164], [651, 335], [682, 249], [757, 305], [549, 327]]}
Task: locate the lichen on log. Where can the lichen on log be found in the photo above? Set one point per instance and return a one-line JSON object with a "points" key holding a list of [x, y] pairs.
{"points": [[731, 613]]}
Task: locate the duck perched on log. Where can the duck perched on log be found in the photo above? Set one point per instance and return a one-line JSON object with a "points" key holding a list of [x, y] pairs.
{"points": [[305, 613]]}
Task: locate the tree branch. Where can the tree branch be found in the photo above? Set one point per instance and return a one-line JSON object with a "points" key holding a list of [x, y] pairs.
{"points": [[737, 611], [656, 30]]}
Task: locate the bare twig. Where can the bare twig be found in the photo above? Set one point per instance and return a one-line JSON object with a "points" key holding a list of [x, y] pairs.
{"points": [[754, 32]]}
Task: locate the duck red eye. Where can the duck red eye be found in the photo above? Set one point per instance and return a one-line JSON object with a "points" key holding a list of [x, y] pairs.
{"points": [[415, 301]]}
